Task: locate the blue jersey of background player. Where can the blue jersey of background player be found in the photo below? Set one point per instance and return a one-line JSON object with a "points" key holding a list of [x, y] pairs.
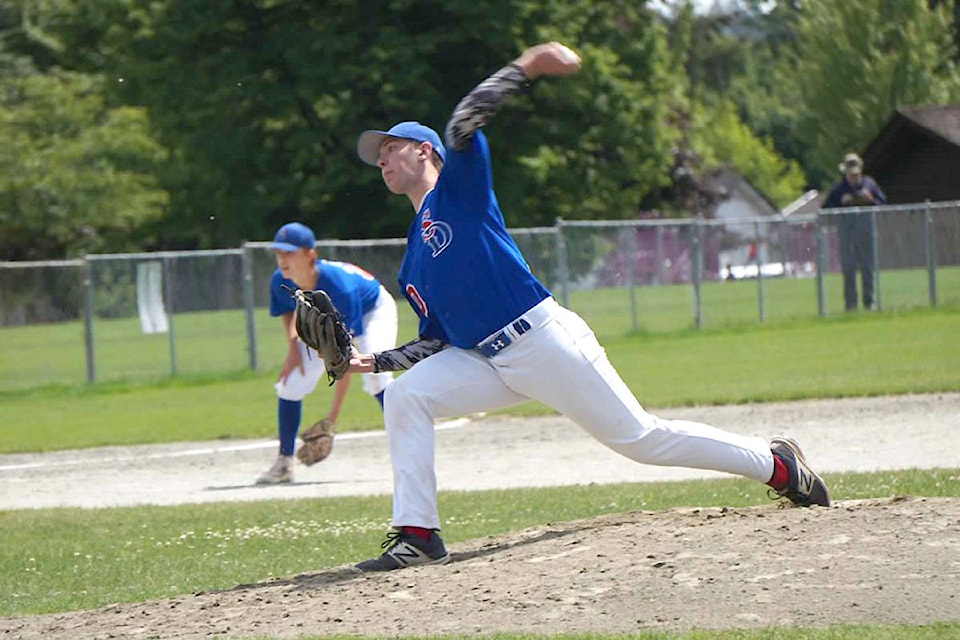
{"points": [[491, 335], [368, 310], [354, 292]]}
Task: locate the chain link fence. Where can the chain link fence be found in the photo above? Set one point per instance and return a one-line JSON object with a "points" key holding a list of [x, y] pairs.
{"points": [[148, 315]]}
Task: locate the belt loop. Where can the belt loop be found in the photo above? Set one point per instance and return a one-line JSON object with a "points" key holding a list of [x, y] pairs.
{"points": [[521, 326]]}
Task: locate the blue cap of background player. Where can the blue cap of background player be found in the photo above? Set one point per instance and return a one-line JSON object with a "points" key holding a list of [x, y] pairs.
{"points": [[293, 236], [368, 146]]}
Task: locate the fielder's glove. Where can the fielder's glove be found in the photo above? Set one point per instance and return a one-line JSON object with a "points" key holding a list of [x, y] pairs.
{"points": [[320, 327], [317, 443]]}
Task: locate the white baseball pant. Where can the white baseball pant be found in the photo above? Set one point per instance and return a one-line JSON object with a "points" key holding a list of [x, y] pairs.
{"points": [[379, 334], [560, 363]]}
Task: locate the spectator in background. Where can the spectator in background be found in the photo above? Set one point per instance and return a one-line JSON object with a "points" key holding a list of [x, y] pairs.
{"points": [[855, 229]]}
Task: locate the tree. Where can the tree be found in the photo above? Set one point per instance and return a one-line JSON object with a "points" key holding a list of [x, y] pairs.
{"points": [[727, 141], [260, 104], [246, 112], [75, 175], [718, 82]]}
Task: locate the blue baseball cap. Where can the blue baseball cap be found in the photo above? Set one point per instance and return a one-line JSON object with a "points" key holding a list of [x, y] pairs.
{"points": [[293, 236], [368, 146]]}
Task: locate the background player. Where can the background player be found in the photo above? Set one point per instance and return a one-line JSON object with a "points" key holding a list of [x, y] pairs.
{"points": [[368, 310], [492, 336]]}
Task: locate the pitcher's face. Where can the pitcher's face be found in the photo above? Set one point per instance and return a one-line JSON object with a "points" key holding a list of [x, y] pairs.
{"points": [[401, 163]]}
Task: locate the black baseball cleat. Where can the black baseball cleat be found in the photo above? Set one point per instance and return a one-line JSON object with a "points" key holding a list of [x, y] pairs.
{"points": [[407, 550], [805, 488]]}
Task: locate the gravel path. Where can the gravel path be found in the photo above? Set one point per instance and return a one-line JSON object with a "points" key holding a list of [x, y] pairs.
{"points": [[861, 434]]}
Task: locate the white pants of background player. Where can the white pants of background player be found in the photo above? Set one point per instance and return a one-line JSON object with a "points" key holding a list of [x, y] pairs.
{"points": [[379, 334], [559, 363]]}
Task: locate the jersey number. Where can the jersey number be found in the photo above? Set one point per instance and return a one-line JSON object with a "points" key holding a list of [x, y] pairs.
{"points": [[417, 300]]}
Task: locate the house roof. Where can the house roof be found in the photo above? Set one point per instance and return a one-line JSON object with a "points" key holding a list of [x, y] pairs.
{"points": [[730, 184], [939, 123], [915, 155], [943, 121]]}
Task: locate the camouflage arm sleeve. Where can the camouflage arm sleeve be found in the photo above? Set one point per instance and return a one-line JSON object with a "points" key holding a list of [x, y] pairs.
{"points": [[407, 355], [478, 106]]}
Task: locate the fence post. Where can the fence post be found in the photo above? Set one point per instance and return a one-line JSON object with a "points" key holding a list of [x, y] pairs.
{"points": [[931, 253], [759, 261], [168, 285], [784, 244], [696, 262], [658, 271], [248, 302], [563, 271], [88, 319], [627, 235], [820, 257], [876, 259]]}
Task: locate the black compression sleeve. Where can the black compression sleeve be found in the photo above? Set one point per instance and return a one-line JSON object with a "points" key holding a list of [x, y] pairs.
{"points": [[478, 106], [407, 355]]}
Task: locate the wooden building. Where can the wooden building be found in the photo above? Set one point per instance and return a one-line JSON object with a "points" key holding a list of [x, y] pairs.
{"points": [[916, 155]]}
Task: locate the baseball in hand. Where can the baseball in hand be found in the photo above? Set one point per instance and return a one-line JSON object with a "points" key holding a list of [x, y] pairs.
{"points": [[567, 54]]}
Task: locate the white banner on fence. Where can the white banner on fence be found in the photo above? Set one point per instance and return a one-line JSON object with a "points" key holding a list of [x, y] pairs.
{"points": [[153, 316]]}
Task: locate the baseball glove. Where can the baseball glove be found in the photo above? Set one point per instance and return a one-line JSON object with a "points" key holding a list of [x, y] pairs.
{"points": [[317, 443], [321, 327]]}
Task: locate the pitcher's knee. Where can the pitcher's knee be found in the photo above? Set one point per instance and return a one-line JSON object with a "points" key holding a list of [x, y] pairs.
{"points": [[404, 404]]}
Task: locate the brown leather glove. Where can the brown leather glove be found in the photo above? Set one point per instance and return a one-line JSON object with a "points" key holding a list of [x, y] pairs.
{"points": [[321, 327], [317, 443]]}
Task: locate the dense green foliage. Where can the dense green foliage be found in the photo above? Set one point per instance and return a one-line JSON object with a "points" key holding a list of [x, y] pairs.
{"points": [[132, 124], [76, 175]]}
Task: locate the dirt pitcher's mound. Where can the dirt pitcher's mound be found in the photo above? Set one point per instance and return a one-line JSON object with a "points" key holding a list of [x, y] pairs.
{"points": [[875, 561]]}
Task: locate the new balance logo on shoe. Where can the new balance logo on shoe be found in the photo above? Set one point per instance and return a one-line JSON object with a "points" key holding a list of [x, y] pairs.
{"points": [[804, 488], [806, 481], [406, 554]]}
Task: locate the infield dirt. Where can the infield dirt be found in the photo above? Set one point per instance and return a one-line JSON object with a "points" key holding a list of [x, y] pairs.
{"points": [[890, 560]]}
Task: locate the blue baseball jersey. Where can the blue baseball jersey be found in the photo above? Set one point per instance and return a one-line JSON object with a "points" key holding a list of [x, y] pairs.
{"points": [[462, 273], [352, 290]]}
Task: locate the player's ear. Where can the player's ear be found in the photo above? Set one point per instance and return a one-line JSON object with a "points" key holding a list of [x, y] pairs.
{"points": [[426, 151]]}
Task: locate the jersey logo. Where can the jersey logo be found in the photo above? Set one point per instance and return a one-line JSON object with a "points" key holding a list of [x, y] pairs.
{"points": [[436, 234]]}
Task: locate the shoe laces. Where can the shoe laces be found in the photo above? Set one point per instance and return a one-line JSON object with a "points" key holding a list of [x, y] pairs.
{"points": [[393, 539], [792, 498], [773, 494]]}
